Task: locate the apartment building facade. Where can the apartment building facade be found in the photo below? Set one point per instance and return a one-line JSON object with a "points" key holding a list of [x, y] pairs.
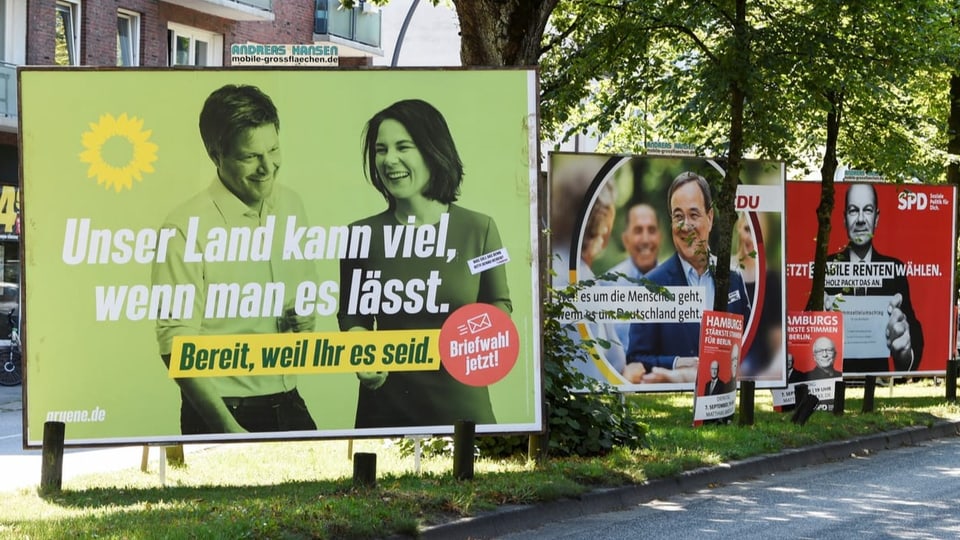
{"points": [[147, 33]]}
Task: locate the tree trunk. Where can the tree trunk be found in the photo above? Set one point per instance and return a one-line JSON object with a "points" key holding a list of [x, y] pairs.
{"points": [[953, 146], [725, 209], [827, 171], [502, 32]]}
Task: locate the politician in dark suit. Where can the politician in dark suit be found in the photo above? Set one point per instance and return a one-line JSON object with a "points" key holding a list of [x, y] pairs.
{"points": [[904, 336], [714, 386], [669, 350], [824, 355]]}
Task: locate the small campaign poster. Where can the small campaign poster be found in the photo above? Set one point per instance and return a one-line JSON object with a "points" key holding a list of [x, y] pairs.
{"points": [[721, 336], [815, 347]]}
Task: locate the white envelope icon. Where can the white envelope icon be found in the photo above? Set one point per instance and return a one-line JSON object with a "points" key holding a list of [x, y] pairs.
{"points": [[479, 323]]}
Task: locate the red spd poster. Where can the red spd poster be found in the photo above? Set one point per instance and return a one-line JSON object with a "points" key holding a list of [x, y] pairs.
{"points": [[889, 271], [814, 356]]}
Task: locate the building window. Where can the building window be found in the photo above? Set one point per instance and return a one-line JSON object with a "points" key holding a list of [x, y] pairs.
{"points": [[128, 38], [67, 52], [194, 47], [3, 29], [13, 31]]}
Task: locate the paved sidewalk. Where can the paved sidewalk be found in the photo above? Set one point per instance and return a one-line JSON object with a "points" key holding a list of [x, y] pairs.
{"points": [[21, 468], [23, 471]]}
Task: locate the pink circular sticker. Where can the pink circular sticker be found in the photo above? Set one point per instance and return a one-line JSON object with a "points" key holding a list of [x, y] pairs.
{"points": [[479, 344]]}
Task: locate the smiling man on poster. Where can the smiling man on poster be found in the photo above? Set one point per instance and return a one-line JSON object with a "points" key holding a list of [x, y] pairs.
{"points": [[872, 291], [668, 351], [240, 129]]}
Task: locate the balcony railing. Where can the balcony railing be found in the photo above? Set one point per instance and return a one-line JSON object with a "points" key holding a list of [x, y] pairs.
{"points": [[8, 90], [360, 24], [236, 10], [266, 5]]}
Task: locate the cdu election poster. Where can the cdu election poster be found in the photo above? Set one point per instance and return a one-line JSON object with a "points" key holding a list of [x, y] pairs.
{"points": [[634, 236]]}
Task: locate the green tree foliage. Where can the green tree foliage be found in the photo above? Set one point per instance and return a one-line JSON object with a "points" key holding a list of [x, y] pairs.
{"points": [[591, 422], [509, 33], [496, 32], [584, 417], [858, 82], [866, 90], [689, 64]]}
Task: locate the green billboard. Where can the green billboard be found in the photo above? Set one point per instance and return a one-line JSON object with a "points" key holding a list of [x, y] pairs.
{"points": [[217, 255]]}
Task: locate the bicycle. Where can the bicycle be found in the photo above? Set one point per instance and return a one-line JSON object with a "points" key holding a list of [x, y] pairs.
{"points": [[11, 371]]}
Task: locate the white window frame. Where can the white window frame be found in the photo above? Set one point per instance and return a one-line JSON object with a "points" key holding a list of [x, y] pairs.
{"points": [[73, 8], [13, 17], [132, 20], [214, 55]]}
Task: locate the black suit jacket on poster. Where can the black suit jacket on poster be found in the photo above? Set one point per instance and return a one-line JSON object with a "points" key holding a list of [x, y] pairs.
{"points": [[898, 284], [716, 390], [818, 373]]}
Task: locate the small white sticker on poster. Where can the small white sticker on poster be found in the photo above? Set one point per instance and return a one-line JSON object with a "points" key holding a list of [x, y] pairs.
{"points": [[488, 261], [865, 321]]}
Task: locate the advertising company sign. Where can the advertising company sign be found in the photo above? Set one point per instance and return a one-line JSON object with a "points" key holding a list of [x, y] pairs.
{"points": [[308, 55]]}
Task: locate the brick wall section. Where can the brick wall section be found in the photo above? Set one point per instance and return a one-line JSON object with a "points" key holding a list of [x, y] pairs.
{"points": [[153, 32], [98, 31], [293, 23], [98, 41], [41, 29]]}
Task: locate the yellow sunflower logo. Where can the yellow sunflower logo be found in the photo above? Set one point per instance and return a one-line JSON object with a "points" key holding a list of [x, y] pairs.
{"points": [[118, 150]]}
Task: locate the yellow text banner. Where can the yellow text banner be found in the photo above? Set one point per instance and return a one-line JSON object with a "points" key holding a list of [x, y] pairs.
{"points": [[308, 353]]}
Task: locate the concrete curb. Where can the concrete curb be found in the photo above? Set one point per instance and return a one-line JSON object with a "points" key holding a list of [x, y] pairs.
{"points": [[517, 518]]}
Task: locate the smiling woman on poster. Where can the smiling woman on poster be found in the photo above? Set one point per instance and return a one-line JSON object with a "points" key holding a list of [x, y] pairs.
{"points": [[411, 159]]}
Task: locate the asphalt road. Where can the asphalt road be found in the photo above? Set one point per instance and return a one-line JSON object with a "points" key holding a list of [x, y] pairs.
{"points": [[908, 492]]}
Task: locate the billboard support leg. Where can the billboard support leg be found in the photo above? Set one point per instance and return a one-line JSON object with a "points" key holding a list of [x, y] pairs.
{"points": [[951, 382], [175, 455], [869, 388], [747, 400], [839, 397], [364, 469], [800, 392], [538, 444], [51, 472], [162, 466], [463, 435]]}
